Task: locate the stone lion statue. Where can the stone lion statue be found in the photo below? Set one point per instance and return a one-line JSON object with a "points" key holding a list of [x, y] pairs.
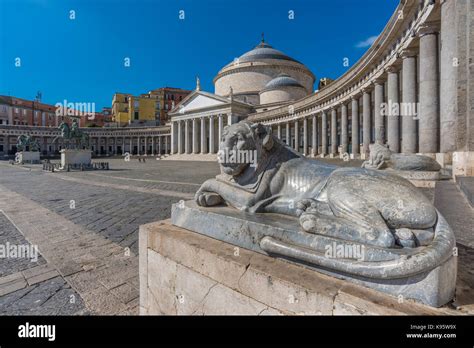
{"points": [[355, 204], [381, 157]]}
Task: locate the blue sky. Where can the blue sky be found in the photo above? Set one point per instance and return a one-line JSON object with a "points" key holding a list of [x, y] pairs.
{"points": [[82, 59]]}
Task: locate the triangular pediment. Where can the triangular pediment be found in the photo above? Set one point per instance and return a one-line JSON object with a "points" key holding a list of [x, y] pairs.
{"points": [[200, 100]]}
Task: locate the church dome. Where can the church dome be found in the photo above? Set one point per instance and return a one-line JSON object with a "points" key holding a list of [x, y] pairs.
{"points": [[260, 68], [282, 88], [282, 80], [264, 51]]}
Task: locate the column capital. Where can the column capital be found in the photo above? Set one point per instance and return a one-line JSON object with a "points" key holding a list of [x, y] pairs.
{"points": [[366, 89], [428, 28], [392, 69], [407, 53], [356, 96], [380, 80]]}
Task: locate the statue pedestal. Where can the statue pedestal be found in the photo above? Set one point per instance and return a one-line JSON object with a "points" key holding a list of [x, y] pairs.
{"points": [[187, 273], [426, 274], [75, 157], [32, 157]]}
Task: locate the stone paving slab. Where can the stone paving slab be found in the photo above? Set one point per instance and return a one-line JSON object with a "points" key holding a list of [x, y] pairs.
{"points": [[114, 268]]}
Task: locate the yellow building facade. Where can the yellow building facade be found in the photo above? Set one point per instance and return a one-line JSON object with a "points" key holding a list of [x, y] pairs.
{"points": [[128, 109]]}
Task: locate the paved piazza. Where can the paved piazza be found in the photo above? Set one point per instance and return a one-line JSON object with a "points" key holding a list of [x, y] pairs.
{"points": [[85, 225]]}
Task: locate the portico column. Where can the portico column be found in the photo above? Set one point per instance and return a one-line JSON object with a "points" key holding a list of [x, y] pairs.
{"points": [[187, 143], [448, 73], [116, 146], [180, 137], [324, 134], [195, 136], [220, 126], [344, 136], [279, 131], [203, 135], [166, 143], [366, 121], [333, 131], [409, 110], [123, 145], [393, 122], [288, 134], [305, 136], [378, 117], [138, 145], [314, 136], [429, 97], [173, 148], [153, 145], [297, 136], [159, 144], [355, 125], [211, 134]]}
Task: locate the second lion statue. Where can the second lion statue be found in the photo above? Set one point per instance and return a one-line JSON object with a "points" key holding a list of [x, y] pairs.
{"points": [[354, 204]]}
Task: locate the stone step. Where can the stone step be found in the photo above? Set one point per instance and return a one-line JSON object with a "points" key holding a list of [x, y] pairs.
{"points": [[466, 185], [455, 207], [192, 157]]}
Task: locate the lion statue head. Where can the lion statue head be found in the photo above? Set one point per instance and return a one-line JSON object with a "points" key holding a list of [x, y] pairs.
{"points": [[242, 145]]}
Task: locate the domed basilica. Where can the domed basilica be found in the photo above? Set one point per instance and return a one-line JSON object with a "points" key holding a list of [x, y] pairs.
{"points": [[261, 79], [264, 75]]}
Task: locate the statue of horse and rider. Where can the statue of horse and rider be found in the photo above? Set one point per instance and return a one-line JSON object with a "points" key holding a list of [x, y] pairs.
{"points": [[27, 143], [75, 138]]}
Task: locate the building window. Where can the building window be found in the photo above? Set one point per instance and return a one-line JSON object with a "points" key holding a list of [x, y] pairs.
{"points": [[24, 111], [136, 115], [1, 148], [136, 104], [16, 110]]}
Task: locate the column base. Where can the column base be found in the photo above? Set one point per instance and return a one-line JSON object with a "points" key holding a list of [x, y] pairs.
{"points": [[444, 159], [463, 163]]}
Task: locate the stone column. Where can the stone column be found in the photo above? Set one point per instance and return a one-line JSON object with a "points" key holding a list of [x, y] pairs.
{"points": [[324, 134], [366, 109], [139, 143], [314, 136], [344, 135], [153, 145], [195, 136], [167, 139], [180, 137], [220, 126], [448, 76], [305, 136], [429, 97], [393, 121], [211, 135], [333, 131], [159, 144], [123, 145], [297, 136], [355, 125], [173, 147], [379, 124], [409, 110], [203, 136], [279, 131], [187, 143], [288, 134]]}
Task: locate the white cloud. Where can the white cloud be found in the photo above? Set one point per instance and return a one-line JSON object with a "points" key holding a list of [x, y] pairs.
{"points": [[367, 42]]}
